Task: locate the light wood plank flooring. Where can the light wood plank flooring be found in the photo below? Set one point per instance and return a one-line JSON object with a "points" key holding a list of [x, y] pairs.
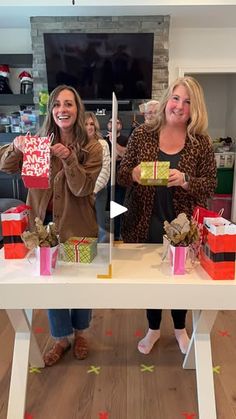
{"points": [[121, 390]]}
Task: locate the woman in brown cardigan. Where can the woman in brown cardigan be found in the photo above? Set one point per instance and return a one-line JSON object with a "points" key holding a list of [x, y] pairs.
{"points": [[178, 135], [69, 202]]}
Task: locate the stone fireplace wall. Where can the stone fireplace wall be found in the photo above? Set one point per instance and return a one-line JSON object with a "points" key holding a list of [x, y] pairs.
{"points": [[159, 25]]}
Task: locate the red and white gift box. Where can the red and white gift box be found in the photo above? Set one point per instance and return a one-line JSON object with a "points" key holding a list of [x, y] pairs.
{"points": [[14, 222], [217, 255], [36, 162]]}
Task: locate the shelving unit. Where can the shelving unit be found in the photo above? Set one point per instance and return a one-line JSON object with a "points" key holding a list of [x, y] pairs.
{"points": [[12, 185], [16, 100]]}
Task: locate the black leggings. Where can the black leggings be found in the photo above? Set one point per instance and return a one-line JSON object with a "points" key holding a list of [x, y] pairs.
{"points": [[154, 318], [155, 235]]}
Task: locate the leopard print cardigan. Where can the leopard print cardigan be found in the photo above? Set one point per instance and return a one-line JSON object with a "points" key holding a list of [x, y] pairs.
{"points": [[197, 160]]}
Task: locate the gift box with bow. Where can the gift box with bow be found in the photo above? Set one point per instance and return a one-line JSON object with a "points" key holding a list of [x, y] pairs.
{"points": [[79, 249], [155, 172]]}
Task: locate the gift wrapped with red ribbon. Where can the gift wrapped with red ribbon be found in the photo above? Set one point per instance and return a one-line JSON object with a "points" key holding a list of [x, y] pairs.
{"points": [[36, 162], [14, 222], [79, 249], [155, 172]]}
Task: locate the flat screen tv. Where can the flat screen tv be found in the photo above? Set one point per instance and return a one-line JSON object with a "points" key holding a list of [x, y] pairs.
{"points": [[97, 64]]}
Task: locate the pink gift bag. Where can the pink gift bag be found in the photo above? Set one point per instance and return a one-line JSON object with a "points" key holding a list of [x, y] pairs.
{"points": [[46, 258], [178, 255]]}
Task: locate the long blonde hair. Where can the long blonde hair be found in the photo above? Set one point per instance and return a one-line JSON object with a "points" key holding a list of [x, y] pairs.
{"points": [[198, 121], [97, 132], [49, 126]]}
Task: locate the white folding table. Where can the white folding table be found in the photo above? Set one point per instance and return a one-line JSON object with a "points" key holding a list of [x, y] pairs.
{"points": [[140, 280]]}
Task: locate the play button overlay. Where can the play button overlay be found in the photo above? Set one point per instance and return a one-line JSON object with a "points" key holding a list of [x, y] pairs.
{"points": [[116, 209]]}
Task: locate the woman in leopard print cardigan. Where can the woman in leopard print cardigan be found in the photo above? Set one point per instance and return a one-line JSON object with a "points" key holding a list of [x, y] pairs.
{"points": [[179, 135]]}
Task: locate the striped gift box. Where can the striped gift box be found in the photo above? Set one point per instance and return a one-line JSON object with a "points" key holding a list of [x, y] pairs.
{"points": [[79, 249], [155, 173]]}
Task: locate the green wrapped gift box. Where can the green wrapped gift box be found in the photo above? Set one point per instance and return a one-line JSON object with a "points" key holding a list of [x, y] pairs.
{"points": [[79, 249], [155, 172]]}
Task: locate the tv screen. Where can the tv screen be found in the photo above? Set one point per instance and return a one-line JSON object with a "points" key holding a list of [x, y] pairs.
{"points": [[97, 64]]}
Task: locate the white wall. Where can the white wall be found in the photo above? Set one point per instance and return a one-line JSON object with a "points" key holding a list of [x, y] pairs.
{"points": [[201, 47], [15, 41], [231, 108]]}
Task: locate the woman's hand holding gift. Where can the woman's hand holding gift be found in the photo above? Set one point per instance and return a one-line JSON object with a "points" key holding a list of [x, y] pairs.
{"points": [[176, 178], [136, 174], [19, 142]]}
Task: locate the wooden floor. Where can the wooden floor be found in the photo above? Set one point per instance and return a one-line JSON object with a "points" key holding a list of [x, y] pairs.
{"points": [[121, 390]]}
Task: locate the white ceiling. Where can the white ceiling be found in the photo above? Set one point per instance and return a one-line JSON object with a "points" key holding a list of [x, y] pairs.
{"points": [[190, 16]]}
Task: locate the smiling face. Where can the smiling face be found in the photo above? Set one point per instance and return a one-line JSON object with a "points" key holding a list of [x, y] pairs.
{"points": [[90, 127], [178, 107], [65, 110]]}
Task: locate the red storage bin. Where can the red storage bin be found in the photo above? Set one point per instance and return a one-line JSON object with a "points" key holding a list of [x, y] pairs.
{"points": [[219, 201]]}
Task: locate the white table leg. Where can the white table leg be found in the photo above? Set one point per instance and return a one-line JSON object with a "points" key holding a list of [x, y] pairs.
{"points": [[21, 322], [202, 325]]}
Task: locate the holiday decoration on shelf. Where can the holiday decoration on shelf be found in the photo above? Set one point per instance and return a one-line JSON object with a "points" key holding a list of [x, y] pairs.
{"points": [[26, 82], [4, 79], [43, 101]]}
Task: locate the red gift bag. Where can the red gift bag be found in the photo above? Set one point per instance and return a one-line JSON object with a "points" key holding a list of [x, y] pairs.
{"points": [[36, 162], [199, 213]]}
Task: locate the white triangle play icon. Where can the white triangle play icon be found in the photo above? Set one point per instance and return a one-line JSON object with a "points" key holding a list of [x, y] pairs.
{"points": [[116, 209]]}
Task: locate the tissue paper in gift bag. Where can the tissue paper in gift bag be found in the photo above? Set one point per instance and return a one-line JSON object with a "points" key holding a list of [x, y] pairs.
{"points": [[14, 223], [154, 172], [79, 249], [36, 162]]}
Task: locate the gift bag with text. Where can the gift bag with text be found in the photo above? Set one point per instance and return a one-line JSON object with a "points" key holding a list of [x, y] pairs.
{"points": [[36, 162]]}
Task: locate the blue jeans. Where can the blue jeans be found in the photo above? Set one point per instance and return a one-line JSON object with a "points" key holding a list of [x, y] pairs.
{"points": [[63, 322]]}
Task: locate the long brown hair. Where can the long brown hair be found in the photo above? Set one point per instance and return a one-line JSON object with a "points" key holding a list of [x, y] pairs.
{"points": [[97, 132], [49, 126]]}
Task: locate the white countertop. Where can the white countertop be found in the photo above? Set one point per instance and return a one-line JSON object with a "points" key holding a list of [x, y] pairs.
{"points": [[140, 280]]}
